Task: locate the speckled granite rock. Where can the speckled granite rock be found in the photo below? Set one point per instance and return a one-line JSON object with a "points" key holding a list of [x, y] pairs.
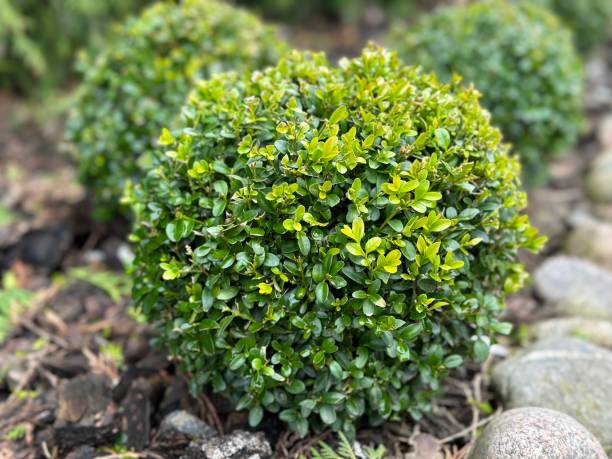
{"points": [[596, 331], [536, 433], [564, 374], [237, 445], [575, 287]]}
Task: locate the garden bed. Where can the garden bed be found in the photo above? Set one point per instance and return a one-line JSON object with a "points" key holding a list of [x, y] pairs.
{"points": [[81, 378]]}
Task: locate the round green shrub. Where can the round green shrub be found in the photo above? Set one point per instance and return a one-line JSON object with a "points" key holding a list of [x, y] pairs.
{"points": [[325, 243], [140, 82], [589, 19], [521, 59]]}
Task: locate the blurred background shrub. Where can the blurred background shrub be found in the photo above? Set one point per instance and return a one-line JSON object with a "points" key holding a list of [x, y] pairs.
{"points": [[522, 60], [589, 19], [138, 83], [39, 39]]}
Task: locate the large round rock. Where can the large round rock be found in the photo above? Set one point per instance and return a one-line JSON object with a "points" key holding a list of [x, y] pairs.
{"points": [[536, 433], [575, 287], [599, 180], [563, 374]]}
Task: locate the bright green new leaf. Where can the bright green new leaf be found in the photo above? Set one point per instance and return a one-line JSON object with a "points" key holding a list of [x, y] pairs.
{"points": [[390, 261]]}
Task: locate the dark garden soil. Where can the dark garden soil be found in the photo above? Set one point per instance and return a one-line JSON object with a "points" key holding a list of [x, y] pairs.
{"points": [[79, 374]]}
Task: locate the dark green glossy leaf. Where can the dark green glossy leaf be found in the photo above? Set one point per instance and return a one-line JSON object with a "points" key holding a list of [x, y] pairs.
{"points": [[328, 414], [255, 416], [227, 293]]}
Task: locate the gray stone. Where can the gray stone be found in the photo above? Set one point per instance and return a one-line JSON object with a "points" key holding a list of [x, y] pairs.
{"points": [[590, 239], [185, 423], [599, 95], [549, 209], [599, 179], [82, 452], [602, 212], [86, 399], [563, 374], [237, 445], [566, 171], [596, 331], [536, 433], [604, 131], [575, 287]]}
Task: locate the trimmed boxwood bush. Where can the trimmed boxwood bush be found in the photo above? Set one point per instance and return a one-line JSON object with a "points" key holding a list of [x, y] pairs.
{"points": [[521, 59], [590, 20], [325, 243], [140, 82]]}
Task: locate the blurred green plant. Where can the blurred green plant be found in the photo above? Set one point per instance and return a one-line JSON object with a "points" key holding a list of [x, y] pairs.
{"points": [[39, 39], [7, 216], [139, 84], [590, 20], [13, 299], [345, 450], [114, 353], [116, 285], [23, 394], [522, 60], [16, 433]]}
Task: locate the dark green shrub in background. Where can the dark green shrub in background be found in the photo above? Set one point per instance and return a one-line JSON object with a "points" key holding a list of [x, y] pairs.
{"points": [[39, 39], [139, 83], [591, 20], [325, 243], [523, 62]]}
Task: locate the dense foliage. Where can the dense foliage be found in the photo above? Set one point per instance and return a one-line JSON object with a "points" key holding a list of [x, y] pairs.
{"points": [[140, 82], [521, 59], [39, 40], [591, 20], [325, 243]]}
